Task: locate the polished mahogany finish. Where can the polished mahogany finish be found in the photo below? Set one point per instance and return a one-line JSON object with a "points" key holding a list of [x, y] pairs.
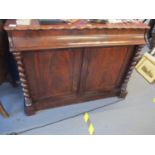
{"points": [[71, 63]]}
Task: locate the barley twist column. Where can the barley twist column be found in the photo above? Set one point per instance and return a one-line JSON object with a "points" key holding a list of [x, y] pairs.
{"points": [[123, 92], [24, 83]]}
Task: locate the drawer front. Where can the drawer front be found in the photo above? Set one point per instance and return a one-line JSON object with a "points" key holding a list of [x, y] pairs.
{"points": [[40, 40]]}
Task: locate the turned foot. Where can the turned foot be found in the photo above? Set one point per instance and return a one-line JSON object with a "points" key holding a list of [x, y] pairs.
{"points": [[29, 110], [29, 107], [123, 94]]}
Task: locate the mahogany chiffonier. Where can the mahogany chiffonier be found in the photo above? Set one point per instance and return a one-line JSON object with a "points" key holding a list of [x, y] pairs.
{"points": [[71, 63]]}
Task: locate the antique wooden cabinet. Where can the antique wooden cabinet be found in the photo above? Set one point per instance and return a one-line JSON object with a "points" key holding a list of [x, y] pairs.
{"points": [[71, 63]]}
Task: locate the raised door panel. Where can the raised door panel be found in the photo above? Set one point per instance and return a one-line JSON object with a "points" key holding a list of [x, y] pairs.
{"points": [[104, 67], [53, 73]]}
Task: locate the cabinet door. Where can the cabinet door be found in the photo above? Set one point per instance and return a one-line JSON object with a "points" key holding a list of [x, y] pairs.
{"points": [[52, 74], [103, 68]]}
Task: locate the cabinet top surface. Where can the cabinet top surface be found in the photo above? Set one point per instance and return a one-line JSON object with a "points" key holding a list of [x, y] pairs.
{"points": [[80, 24]]}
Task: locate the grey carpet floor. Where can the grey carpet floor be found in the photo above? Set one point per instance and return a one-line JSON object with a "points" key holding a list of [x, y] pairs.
{"points": [[134, 115]]}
